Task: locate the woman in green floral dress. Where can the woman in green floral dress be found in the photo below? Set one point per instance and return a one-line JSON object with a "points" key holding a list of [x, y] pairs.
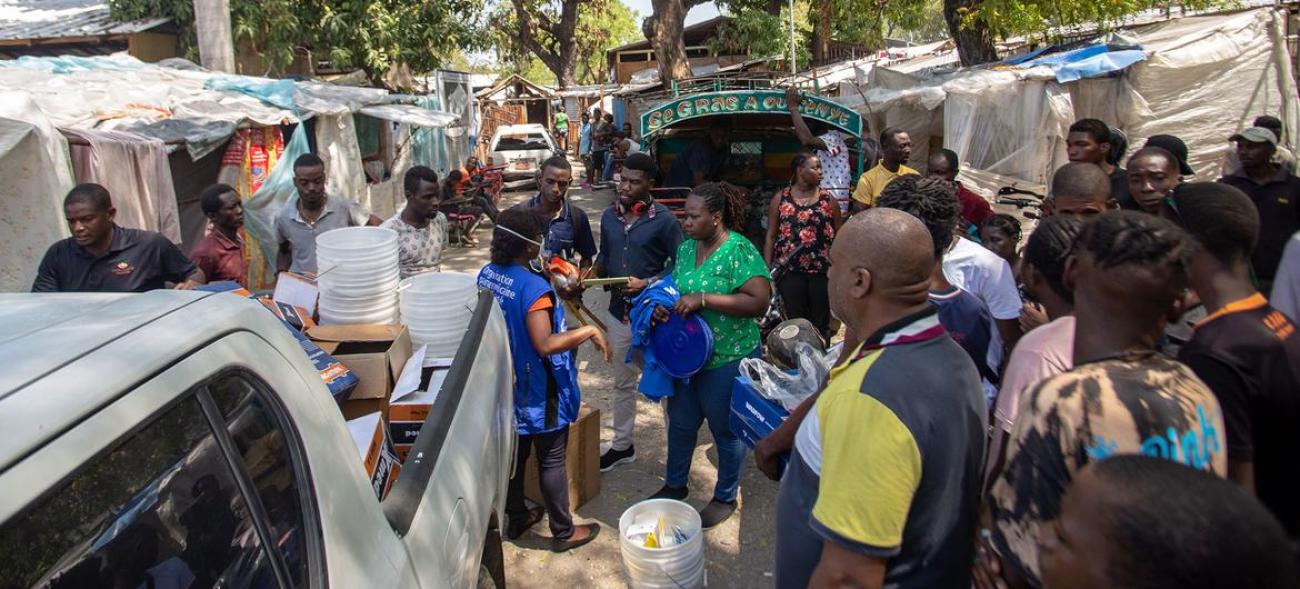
{"points": [[721, 276]]}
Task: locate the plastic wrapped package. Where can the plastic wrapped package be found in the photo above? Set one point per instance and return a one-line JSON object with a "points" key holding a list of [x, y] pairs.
{"points": [[791, 388]]}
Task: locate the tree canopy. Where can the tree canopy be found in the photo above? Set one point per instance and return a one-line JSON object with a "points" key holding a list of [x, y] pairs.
{"points": [[567, 37], [973, 24], [374, 35]]}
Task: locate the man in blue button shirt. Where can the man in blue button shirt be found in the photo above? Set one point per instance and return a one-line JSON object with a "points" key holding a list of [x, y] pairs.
{"points": [[638, 239], [569, 233]]}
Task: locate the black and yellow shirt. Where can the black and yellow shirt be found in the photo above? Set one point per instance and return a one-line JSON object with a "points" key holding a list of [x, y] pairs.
{"points": [[887, 463]]}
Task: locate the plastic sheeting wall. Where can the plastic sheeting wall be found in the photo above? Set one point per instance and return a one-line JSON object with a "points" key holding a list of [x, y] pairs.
{"points": [[31, 206], [1008, 127], [336, 143], [1205, 78], [1204, 83], [35, 174]]}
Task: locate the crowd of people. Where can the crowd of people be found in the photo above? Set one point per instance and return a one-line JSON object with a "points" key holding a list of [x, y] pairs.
{"points": [[999, 415]]}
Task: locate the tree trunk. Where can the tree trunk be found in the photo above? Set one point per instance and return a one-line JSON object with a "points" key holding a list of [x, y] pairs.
{"points": [[821, 48], [561, 52], [974, 40], [663, 29]]}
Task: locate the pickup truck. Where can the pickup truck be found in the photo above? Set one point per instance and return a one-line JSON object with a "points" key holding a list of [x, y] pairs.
{"points": [[182, 439]]}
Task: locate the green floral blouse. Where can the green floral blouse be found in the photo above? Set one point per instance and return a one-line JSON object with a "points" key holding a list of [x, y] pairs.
{"points": [[724, 272]]}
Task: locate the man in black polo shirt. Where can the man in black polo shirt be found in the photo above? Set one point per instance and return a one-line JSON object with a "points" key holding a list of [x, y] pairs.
{"points": [[1276, 194], [639, 239], [102, 257], [1245, 350]]}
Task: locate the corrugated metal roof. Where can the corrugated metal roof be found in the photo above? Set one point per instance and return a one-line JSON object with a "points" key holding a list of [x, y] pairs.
{"points": [[57, 19]]}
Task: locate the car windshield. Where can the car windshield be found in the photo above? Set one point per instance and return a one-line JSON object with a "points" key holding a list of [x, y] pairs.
{"points": [[521, 142]]}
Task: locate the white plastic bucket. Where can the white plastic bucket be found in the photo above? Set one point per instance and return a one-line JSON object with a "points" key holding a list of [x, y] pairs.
{"points": [[436, 308], [350, 241], [387, 315], [671, 567]]}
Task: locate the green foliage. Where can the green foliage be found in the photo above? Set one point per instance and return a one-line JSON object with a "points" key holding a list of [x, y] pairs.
{"points": [[371, 34], [601, 25], [765, 34], [869, 22], [1034, 17]]}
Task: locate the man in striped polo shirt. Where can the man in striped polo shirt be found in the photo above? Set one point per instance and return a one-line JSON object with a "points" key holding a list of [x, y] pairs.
{"points": [[884, 478]]}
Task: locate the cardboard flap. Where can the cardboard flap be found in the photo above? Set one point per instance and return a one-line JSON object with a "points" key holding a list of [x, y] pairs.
{"points": [[355, 333]]}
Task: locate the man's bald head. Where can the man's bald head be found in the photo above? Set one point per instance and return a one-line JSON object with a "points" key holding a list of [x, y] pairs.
{"points": [[896, 251], [1080, 189]]}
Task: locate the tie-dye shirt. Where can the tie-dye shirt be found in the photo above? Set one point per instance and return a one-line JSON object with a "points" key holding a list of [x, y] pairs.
{"points": [[1141, 403]]}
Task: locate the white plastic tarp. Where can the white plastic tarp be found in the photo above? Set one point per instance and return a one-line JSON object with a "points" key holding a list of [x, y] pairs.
{"points": [[1204, 79], [336, 143], [410, 115], [1208, 78], [31, 207]]}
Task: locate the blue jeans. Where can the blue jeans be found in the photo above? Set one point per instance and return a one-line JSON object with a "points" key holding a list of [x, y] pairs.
{"points": [[608, 173], [707, 396]]}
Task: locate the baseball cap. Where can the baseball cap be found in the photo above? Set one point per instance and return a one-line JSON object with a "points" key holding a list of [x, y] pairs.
{"points": [[1255, 135], [1175, 146]]}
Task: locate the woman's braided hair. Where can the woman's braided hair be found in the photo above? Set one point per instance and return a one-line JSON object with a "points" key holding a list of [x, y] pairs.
{"points": [[718, 199]]}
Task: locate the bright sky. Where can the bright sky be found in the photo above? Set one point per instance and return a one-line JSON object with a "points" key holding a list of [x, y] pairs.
{"points": [[702, 12]]}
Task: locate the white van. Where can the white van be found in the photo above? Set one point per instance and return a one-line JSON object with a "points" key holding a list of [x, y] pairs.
{"points": [[182, 439]]}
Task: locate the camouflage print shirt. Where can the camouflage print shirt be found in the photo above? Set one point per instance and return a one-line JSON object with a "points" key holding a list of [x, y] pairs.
{"points": [[1140, 403]]}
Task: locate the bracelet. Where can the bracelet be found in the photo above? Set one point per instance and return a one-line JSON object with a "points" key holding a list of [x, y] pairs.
{"points": [[704, 301]]}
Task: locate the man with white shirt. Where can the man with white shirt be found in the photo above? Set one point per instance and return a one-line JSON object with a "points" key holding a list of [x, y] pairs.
{"points": [[837, 175], [982, 273], [421, 228]]}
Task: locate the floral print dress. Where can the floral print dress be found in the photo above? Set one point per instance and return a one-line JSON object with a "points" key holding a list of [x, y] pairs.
{"points": [[804, 233]]}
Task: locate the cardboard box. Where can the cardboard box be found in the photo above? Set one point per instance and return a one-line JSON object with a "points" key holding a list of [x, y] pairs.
{"points": [[370, 437], [297, 317], [338, 379], [376, 354], [413, 399], [581, 461]]}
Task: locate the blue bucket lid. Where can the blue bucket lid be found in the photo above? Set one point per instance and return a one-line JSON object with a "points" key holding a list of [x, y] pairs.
{"points": [[682, 345]]}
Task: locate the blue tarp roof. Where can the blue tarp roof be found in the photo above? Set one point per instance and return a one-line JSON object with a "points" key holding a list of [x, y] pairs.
{"points": [[1091, 61]]}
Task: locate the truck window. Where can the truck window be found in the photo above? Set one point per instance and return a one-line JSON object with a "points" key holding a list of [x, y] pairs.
{"points": [[159, 509], [261, 442]]}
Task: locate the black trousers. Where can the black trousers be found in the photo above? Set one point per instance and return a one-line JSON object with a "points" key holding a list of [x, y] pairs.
{"points": [[551, 476], [805, 296], [597, 165]]}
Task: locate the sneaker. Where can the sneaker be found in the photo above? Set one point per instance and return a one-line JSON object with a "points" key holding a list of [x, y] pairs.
{"points": [[678, 493], [716, 512], [581, 535], [613, 458]]}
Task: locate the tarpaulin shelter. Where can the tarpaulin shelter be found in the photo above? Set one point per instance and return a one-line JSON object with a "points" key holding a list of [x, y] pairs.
{"points": [[130, 114], [1201, 78]]}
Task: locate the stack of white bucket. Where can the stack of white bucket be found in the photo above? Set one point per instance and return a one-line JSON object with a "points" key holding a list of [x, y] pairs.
{"points": [[436, 309], [358, 275]]}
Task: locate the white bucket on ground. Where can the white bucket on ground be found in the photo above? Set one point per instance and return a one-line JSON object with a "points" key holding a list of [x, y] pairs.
{"points": [[680, 565]]}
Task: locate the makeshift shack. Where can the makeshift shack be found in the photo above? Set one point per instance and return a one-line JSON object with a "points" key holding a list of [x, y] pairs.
{"points": [[1201, 78], [123, 123]]}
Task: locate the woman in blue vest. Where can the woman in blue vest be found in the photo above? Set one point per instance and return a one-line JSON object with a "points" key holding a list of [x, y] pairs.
{"points": [[546, 378], [722, 277]]}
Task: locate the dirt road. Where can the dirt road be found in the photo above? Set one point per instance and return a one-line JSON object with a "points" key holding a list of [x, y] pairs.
{"points": [[739, 552]]}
